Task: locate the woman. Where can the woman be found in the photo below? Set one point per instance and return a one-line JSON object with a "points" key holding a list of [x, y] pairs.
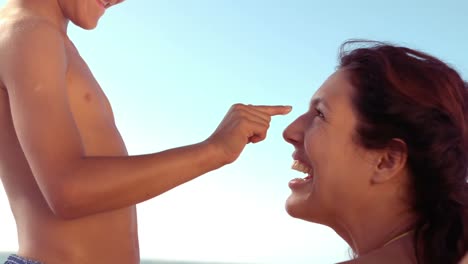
{"points": [[384, 145]]}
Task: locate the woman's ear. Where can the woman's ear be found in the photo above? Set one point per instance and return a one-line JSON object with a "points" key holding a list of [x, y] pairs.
{"points": [[390, 162]]}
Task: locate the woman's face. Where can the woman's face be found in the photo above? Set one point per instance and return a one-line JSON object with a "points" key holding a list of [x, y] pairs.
{"points": [[338, 170]]}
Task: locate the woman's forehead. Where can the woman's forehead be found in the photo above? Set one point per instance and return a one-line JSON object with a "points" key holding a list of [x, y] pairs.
{"points": [[335, 88]]}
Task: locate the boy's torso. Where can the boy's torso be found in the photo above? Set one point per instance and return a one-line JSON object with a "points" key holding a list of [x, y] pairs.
{"points": [[102, 238]]}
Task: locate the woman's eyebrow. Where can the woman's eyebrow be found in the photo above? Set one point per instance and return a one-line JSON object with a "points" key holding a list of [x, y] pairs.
{"points": [[319, 100]]}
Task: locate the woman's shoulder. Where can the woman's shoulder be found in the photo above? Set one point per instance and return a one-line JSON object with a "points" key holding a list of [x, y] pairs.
{"points": [[381, 259], [371, 259], [465, 259], [401, 252]]}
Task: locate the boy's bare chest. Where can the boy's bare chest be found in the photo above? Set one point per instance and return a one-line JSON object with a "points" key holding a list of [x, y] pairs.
{"points": [[92, 111], [87, 99]]}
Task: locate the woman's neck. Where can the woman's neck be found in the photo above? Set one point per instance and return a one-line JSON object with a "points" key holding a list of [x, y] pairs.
{"points": [[373, 229]]}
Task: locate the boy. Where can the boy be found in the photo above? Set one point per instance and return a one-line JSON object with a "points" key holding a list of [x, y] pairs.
{"points": [[71, 185]]}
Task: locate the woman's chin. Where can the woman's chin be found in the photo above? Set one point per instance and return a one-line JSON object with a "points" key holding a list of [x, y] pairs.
{"points": [[303, 208], [297, 207]]}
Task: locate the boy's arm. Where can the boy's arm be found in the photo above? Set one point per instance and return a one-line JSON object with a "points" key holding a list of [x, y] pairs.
{"points": [[75, 185]]}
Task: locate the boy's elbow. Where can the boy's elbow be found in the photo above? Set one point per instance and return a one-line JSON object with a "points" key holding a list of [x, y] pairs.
{"points": [[64, 202]]}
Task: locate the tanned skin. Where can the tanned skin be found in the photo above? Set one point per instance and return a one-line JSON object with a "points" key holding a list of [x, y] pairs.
{"points": [[70, 182]]}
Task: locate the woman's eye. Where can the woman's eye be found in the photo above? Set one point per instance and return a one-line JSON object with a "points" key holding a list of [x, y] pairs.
{"points": [[319, 114]]}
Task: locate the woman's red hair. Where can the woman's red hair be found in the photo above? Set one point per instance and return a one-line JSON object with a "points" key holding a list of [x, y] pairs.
{"points": [[410, 95]]}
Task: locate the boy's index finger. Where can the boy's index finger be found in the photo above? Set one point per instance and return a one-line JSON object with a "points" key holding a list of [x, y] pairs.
{"points": [[273, 110]]}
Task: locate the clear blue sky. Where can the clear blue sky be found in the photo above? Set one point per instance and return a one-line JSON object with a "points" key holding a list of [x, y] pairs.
{"points": [[172, 68]]}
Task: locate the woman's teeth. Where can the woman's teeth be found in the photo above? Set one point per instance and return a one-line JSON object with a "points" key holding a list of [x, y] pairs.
{"points": [[298, 166]]}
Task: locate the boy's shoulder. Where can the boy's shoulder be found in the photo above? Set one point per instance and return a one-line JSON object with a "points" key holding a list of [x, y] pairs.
{"points": [[28, 41], [22, 32], [18, 25]]}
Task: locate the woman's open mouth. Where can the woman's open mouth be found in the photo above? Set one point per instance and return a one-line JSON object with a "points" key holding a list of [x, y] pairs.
{"points": [[301, 167]]}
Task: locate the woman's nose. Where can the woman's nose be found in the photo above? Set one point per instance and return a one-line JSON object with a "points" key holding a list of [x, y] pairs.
{"points": [[293, 133]]}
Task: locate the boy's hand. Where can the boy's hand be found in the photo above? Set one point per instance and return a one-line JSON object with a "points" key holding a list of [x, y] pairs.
{"points": [[243, 124]]}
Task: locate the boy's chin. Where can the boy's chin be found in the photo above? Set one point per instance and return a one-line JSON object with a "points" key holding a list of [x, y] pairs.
{"points": [[86, 25]]}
